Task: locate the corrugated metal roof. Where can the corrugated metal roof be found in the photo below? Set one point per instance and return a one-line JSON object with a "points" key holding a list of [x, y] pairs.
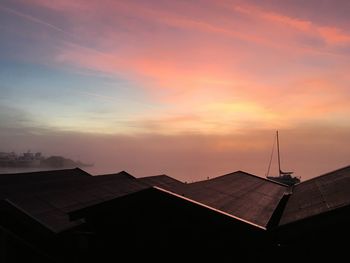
{"points": [[163, 181], [49, 198], [40, 176], [318, 195], [120, 175], [240, 194]]}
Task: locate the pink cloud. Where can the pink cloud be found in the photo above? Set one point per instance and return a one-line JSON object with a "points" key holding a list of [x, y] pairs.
{"points": [[330, 34], [334, 35], [187, 17], [188, 57], [219, 81], [192, 87]]}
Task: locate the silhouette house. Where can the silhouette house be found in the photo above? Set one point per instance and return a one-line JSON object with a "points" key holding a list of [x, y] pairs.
{"points": [[71, 216]]}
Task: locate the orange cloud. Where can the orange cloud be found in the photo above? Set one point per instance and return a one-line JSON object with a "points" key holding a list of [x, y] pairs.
{"points": [[209, 70], [213, 95], [274, 17], [334, 35], [330, 34]]}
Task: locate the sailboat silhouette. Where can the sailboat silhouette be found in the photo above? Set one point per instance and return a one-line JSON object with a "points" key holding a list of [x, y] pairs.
{"points": [[283, 177]]}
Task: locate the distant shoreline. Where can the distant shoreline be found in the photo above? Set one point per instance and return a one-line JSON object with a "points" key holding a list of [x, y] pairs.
{"points": [[12, 162], [11, 170]]}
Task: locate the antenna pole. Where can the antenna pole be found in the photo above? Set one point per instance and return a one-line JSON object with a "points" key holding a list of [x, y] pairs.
{"points": [[278, 154]]}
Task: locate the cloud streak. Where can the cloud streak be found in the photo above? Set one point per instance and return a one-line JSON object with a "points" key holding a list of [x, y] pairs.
{"points": [[230, 63], [34, 20], [330, 34]]}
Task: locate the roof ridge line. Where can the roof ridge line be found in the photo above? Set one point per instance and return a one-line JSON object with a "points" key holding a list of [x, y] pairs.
{"points": [[325, 174], [262, 178], [246, 173], [117, 173], [159, 175]]}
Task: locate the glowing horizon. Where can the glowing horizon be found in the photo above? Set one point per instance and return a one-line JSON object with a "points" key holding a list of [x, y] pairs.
{"points": [[174, 68]]}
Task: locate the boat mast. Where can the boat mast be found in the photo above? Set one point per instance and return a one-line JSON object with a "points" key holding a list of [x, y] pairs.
{"points": [[278, 154]]}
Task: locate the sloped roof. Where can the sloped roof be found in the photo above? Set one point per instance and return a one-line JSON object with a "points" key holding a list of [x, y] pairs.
{"points": [[243, 195], [239, 195], [119, 175], [49, 196], [40, 176], [318, 195], [163, 181]]}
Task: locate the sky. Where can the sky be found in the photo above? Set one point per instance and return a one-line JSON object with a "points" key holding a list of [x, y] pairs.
{"points": [[193, 89]]}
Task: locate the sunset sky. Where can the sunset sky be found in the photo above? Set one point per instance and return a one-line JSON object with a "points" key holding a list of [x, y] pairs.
{"points": [[188, 88]]}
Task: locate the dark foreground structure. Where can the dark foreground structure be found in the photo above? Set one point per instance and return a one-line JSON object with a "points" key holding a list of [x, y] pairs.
{"points": [[71, 216]]}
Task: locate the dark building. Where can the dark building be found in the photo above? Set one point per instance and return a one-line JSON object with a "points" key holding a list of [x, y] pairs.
{"points": [[71, 216]]}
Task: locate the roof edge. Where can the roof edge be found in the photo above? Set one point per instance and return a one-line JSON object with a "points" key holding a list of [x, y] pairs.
{"points": [[325, 174], [48, 171], [262, 178], [78, 214], [246, 173], [209, 207], [345, 207], [118, 173], [277, 214], [160, 175], [20, 210]]}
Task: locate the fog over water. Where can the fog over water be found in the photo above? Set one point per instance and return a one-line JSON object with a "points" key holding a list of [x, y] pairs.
{"points": [[192, 157]]}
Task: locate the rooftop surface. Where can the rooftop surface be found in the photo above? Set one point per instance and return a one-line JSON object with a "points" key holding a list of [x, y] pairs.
{"points": [[164, 181], [318, 195], [49, 196], [240, 194]]}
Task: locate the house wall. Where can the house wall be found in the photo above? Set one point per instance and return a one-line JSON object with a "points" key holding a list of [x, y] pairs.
{"points": [[154, 224]]}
